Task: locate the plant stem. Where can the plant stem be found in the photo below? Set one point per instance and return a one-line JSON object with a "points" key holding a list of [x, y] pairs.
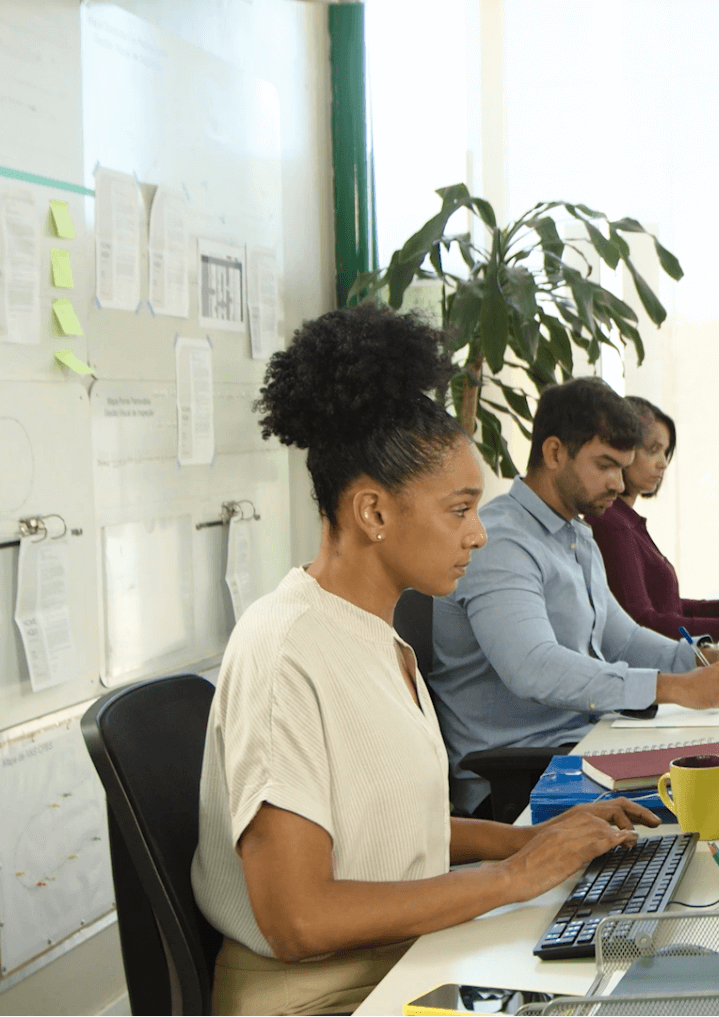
{"points": [[470, 394]]}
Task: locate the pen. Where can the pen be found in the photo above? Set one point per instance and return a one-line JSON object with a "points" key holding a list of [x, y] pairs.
{"points": [[697, 652]]}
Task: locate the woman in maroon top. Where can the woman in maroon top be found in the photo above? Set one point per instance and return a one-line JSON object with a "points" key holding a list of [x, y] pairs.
{"points": [[639, 575]]}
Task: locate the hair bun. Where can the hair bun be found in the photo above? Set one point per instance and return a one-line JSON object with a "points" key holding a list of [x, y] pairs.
{"points": [[350, 372]]}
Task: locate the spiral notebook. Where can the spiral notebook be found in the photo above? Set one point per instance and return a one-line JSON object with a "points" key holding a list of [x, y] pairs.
{"points": [[629, 769]]}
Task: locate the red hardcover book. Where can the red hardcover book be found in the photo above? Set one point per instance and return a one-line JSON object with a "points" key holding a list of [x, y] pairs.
{"points": [[638, 768]]}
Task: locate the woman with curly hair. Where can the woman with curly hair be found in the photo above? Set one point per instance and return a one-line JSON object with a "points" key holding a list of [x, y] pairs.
{"points": [[640, 577], [325, 829]]}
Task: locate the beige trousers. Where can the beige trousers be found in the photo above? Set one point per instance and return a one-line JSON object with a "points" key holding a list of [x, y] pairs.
{"points": [[246, 983]]}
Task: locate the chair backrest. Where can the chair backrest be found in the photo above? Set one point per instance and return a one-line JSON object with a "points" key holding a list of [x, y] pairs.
{"points": [[147, 742], [413, 621]]}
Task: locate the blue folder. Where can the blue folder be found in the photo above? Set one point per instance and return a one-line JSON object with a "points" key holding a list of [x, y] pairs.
{"points": [[564, 784]]}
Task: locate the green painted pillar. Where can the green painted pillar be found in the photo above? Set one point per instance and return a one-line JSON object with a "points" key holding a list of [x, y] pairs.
{"points": [[355, 234]]}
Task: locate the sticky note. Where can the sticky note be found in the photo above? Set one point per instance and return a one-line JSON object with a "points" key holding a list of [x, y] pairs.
{"points": [[61, 219], [66, 317], [61, 269], [68, 359]]}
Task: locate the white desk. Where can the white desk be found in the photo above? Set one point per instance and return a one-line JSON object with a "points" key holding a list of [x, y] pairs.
{"points": [[496, 949]]}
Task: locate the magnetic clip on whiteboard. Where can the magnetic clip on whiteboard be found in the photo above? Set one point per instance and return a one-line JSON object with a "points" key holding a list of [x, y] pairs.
{"points": [[33, 525]]}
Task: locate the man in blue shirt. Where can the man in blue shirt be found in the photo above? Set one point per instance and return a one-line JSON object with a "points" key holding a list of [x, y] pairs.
{"points": [[531, 648]]}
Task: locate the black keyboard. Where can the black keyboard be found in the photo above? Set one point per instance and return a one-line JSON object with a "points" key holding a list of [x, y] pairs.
{"points": [[624, 881]]}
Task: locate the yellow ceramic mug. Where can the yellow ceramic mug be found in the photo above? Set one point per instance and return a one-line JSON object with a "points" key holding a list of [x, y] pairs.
{"points": [[695, 794]]}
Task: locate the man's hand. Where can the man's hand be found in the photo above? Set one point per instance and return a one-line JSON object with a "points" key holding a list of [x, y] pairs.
{"points": [[697, 689]]}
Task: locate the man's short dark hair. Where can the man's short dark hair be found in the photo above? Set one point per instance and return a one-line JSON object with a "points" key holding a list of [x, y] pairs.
{"points": [[579, 410]]}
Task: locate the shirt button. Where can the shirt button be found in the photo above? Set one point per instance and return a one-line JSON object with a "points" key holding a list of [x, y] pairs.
{"points": [[592, 706], [572, 546]]}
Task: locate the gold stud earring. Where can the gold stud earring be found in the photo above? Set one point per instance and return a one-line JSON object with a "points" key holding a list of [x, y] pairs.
{"points": [[379, 536]]}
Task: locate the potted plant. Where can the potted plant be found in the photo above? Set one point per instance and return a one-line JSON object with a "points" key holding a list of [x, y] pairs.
{"points": [[519, 305]]}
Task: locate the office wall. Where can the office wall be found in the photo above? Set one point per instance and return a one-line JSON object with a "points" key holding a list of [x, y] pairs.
{"points": [[286, 43]]}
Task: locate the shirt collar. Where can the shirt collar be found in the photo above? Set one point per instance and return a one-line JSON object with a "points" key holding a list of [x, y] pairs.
{"points": [[361, 622], [545, 515]]}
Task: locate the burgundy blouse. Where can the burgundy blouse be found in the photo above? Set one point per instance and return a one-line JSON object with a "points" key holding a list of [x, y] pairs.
{"points": [[642, 579]]}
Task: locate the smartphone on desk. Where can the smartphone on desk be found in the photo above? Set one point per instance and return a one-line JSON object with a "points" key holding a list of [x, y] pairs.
{"points": [[451, 998]]}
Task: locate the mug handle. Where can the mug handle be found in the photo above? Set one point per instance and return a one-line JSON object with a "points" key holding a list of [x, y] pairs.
{"points": [[664, 794]]}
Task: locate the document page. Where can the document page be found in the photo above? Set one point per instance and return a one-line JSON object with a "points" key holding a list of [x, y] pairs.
{"points": [[42, 613], [117, 240], [263, 302], [169, 293], [220, 280], [240, 573], [195, 417], [20, 268]]}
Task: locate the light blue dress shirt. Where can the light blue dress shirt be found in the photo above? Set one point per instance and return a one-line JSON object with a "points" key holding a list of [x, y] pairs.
{"points": [[532, 647]]}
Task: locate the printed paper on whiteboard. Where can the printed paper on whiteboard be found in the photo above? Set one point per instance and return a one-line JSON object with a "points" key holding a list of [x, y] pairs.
{"points": [[169, 292], [19, 268], [220, 282], [263, 303], [240, 573], [195, 416], [117, 240], [42, 613]]}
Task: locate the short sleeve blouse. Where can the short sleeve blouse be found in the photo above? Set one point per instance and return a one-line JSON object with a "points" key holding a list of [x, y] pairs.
{"points": [[312, 714]]}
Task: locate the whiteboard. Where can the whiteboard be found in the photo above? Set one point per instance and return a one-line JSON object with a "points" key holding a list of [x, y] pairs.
{"points": [[54, 849], [81, 87]]}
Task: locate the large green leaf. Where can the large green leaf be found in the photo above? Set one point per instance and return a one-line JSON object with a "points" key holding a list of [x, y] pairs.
{"points": [[628, 225], [493, 320], [607, 251], [370, 281], [486, 212], [435, 258], [668, 262], [522, 289], [583, 296], [552, 244], [516, 399], [529, 333], [421, 242], [620, 242], [592, 213], [399, 276], [559, 341], [616, 307], [649, 299], [464, 317]]}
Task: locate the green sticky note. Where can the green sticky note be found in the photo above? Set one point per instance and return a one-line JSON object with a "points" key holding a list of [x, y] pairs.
{"points": [[61, 270], [61, 219], [68, 359], [66, 317]]}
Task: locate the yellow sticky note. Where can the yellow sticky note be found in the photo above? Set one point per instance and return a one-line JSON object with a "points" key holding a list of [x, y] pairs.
{"points": [[66, 317], [61, 219], [68, 359], [61, 269]]}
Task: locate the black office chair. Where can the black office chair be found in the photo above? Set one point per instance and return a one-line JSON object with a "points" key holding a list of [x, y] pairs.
{"points": [[511, 773], [146, 742]]}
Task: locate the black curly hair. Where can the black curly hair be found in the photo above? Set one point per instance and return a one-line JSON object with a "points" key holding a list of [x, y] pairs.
{"points": [[351, 388]]}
